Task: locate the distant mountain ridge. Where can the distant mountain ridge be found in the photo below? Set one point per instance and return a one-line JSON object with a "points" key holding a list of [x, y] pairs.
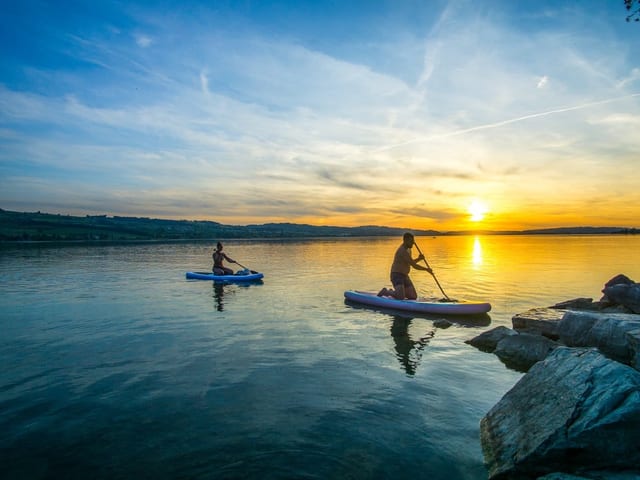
{"points": [[36, 226]]}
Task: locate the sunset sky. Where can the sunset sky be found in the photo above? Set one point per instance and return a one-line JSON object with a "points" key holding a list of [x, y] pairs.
{"points": [[402, 112]]}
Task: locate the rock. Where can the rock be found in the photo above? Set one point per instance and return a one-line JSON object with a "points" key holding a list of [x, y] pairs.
{"points": [[624, 294], [521, 352], [442, 323], [562, 476], [606, 331], [574, 412], [619, 279], [576, 304], [602, 475], [581, 304], [609, 304], [612, 308], [487, 341], [543, 321], [633, 337]]}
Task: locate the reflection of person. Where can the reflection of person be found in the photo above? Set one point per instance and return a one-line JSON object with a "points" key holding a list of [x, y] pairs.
{"points": [[218, 257], [218, 294], [400, 268], [408, 351]]}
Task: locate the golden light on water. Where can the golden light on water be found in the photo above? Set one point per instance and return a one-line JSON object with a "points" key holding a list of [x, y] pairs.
{"points": [[476, 254]]}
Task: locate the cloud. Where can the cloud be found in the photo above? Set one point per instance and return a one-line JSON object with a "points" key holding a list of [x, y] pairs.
{"points": [[543, 82], [143, 41], [204, 84], [509, 121], [632, 78]]}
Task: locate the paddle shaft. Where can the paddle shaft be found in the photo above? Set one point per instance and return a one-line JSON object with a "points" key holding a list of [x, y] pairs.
{"points": [[246, 268], [432, 274]]}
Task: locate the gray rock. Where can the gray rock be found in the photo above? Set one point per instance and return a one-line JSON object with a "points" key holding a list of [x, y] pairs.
{"points": [[633, 336], [442, 323], [606, 331], [612, 308], [521, 352], [543, 321], [562, 476], [487, 341], [624, 294], [602, 475], [576, 304], [619, 279], [608, 475], [575, 412]]}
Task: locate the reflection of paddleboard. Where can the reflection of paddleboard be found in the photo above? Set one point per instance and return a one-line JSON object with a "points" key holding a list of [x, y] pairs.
{"points": [[422, 305], [237, 278]]}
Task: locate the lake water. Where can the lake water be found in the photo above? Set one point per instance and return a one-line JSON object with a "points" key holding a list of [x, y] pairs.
{"points": [[116, 366]]}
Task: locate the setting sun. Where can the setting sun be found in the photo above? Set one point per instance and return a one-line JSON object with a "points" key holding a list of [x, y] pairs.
{"points": [[477, 210]]}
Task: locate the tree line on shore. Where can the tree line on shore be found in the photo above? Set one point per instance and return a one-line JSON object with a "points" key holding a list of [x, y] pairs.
{"points": [[37, 226]]}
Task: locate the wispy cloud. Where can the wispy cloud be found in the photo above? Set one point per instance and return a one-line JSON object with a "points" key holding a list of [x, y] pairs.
{"points": [[632, 79], [204, 84], [542, 83], [143, 41], [508, 121]]}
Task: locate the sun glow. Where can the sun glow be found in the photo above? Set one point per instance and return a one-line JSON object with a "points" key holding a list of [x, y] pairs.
{"points": [[477, 210]]}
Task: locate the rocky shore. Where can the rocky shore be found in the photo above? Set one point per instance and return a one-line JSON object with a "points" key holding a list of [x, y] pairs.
{"points": [[575, 414]]}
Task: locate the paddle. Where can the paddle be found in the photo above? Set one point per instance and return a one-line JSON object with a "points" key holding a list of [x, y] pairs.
{"points": [[432, 274], [239, 264]]}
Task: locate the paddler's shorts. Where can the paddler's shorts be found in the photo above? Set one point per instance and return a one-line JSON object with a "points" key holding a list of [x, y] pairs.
{"points": [[401, 279]]}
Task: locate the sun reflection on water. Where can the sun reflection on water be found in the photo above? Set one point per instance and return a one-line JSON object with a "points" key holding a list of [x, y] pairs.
{"points": [[476, 254]]}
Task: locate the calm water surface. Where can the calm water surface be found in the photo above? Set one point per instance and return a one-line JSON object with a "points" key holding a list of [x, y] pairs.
{"points": [[115, 366]]}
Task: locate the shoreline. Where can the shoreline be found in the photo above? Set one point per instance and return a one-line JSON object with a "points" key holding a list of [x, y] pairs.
{"points": [[27, 227]]}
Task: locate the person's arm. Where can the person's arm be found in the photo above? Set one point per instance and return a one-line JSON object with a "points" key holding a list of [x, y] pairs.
{"points": [[416, 265], [229, 259]]}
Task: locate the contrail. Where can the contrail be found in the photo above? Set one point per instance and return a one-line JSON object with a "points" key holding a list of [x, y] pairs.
{"points": [[503, 122]]}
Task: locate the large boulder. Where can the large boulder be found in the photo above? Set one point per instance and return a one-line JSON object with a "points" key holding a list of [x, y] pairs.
{"points": [[488, 341], [581, 303], [624, 294], [542, 321], [604, 305], [633, 337], [576, 411], [521, 352], [600, 475], [619, 279], [607, 332]]}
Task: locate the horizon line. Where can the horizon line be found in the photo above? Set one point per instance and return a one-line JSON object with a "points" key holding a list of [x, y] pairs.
{"points": [[431, 231]]}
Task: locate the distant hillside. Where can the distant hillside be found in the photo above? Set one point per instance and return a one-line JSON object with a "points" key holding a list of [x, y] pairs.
{"points": [[554, 231], [580, 231], [24, 226], [36, 226]]}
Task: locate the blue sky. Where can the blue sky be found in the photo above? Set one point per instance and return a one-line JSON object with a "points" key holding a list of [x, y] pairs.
{"points": [[327, 112]]}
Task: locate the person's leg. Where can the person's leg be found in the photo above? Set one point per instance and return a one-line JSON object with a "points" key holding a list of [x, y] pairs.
{"points": [[399, 291], [411, 293], [398, 282], [410, 290], [388, 292]]}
